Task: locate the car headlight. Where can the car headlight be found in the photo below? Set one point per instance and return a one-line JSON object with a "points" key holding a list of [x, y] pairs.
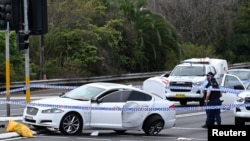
{"points": [[198, 83], [240, 99], [52, 110]]}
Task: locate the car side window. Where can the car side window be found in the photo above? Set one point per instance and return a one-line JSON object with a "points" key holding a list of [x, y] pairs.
{"points": [[123, 96], [138, 96], [231, 82], [118, 96], [248, 86]]}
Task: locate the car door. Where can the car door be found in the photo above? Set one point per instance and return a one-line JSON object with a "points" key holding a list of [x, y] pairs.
{"points": [[231, 86], [136, 109], [107, 111]]}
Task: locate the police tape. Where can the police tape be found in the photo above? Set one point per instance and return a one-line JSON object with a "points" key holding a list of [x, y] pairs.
{"points": [[225, 107], [189, 108], [38, 86], [222, 89]]}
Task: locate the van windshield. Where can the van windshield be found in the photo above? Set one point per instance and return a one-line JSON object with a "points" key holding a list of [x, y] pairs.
{"points": [[188, 71]]}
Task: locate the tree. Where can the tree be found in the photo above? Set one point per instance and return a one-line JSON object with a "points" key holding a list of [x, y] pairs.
{"points": [[155, 36], [78, 36], [208, 23], [16, 60], [241, 38]]}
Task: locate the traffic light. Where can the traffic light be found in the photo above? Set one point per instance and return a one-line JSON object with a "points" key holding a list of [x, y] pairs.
{"points": [[11, 11], [38, 19], [22, 40], [5, 13]]}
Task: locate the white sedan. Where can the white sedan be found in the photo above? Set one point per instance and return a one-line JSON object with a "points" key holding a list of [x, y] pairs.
{"points": [[242, 113], [238, 94], [102, 106]]}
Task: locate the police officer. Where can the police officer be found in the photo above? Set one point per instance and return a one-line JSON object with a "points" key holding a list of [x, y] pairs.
{"points": [[205, 86], [213, 99]]}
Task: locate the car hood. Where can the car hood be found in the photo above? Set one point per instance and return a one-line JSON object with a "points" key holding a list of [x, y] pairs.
{"points": [[186, 78], [244, 94], [60, 101]]}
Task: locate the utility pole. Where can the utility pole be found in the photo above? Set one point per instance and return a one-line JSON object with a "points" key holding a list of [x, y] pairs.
{"points": [[6, 18], [26, 32], [7, 67], [15, 15], [42, 75]]}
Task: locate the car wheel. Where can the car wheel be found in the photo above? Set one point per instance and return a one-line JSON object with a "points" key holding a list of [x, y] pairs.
{"points": [[238, 121], [153, 125], [120, 131], [71, 124], [183, 102]]}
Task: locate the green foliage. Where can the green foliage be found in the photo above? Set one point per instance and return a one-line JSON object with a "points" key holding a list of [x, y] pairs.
{"points": [[82, 41], [104, 37], [241, 39], [16, 59], [190, 50], [156, 38]]}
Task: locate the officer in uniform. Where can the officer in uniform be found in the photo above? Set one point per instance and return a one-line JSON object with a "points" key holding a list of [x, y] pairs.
{"points": [[213, 99]]}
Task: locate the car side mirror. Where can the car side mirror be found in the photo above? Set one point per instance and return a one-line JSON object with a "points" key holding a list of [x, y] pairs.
{"points": [[96, 101], [238, 87], [63, 93]]}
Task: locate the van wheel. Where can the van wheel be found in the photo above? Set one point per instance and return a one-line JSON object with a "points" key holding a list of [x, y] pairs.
{"points": [[183, 102]]}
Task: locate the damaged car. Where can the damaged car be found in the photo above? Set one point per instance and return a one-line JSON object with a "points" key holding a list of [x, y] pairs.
{"points": [[102, 105]]}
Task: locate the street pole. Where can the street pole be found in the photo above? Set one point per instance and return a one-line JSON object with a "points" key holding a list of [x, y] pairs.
{"points": [[26, 31], [7, 67]]}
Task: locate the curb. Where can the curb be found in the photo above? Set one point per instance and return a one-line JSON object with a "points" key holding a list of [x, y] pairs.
{"points": [[10, 118], [4, 121], [9, 135]]}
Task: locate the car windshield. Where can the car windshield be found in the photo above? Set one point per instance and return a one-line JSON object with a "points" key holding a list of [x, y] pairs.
{"points": [[84, 92], [188, 71], [243, 75]]}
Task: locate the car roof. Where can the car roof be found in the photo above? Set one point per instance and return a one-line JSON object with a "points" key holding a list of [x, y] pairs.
{"points": [[190, 64], [238, 70], [108, 85]]}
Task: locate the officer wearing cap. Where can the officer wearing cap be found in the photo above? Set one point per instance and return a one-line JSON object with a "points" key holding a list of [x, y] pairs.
{"points": [[205, 85], [213, 99]]}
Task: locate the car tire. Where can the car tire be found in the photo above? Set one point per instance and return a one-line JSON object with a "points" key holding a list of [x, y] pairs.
{"points": [[71, 124], [120, 131], [153, 125], [239, 121]]}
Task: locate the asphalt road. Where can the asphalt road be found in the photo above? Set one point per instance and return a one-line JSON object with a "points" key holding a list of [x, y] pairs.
{"points": [[188, 125]]}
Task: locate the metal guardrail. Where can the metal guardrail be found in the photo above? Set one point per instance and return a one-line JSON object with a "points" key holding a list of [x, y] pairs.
{"points": [[80, 81], [239, 65], [111, 78]]}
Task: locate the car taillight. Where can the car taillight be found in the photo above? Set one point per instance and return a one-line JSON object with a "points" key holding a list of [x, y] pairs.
{"points": [[171, 107]]}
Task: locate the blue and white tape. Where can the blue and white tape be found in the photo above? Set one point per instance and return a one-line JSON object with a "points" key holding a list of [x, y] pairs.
{"points": [[191, 108], [194, 108]]}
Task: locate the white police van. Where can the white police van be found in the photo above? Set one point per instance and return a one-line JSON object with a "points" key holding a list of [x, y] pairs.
{"points": [[185, 81]]}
